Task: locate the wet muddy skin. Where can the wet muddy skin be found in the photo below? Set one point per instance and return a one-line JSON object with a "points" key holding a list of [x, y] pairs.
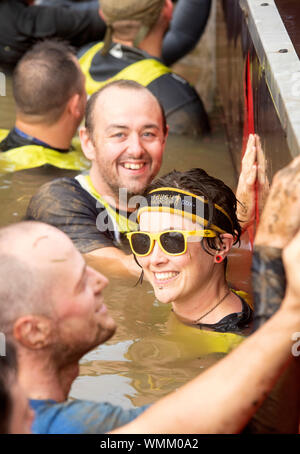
{"points": [[134, 367]]}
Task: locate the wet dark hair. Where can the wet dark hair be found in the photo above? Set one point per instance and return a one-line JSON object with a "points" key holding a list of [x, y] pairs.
{"points": [[8, 373], [122, 83], [45, 78], [215, 191]]}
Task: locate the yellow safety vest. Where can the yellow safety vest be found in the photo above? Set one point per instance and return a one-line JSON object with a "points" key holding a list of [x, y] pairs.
{"points": [[202, 342], [144, 71], [122, 223], [179, 342], [30, 156], [245, 296]]}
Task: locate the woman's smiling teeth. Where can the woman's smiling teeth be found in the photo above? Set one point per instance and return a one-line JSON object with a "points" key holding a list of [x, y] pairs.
{"points": [[166, 275], [133, 166]]}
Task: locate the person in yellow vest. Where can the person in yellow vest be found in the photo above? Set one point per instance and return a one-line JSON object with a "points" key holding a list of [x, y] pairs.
{"points": [[186, 28], [125, 141], [50, 98], [46, 288], [132, 49]]}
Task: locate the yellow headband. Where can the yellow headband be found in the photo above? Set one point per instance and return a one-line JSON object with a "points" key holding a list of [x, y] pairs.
{"points": [[172, 200]]}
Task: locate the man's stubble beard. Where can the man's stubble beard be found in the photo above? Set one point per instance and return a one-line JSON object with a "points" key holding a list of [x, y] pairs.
{"points": [[115, 185], [70, 351]]}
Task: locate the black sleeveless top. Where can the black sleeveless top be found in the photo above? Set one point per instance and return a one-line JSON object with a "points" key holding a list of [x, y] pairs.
{"points": [[237, 322]]}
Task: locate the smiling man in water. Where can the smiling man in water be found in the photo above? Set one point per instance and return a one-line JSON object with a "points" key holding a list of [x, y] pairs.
{"points": [[52, 305], [124, 138]]}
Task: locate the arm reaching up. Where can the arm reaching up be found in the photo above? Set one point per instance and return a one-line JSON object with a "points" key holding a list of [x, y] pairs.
{"points": [[279, 223], [220, 401]]}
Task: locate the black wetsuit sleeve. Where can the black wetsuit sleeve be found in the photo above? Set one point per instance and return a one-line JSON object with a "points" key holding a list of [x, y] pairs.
{"points": [[183, 106], [64, 204], [81, 5], [77, 27], [21, 26], [187, 25]]}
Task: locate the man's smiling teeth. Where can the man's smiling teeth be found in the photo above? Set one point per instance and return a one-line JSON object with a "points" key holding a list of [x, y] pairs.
{"points": [[165, 276], [132, 166]]}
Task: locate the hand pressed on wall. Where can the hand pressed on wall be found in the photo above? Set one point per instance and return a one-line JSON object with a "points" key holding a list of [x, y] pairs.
{"points": [[253, 172]]}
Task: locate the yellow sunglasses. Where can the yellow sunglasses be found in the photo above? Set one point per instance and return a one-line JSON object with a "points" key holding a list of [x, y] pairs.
{"points": [[172, 242]]}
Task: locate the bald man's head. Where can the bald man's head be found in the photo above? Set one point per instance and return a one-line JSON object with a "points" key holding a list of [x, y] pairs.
{"points": [[25, 277], [90, 119], [49, 297]]}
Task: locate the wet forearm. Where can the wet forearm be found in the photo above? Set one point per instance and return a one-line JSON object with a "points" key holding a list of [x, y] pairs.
{"points": [[113, 262], [268, 282], [220, 401]]}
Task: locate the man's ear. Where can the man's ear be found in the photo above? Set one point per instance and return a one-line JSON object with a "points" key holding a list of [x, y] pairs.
{"points": [[33, 331], [76, 106], [168, 9], [87, 144]]}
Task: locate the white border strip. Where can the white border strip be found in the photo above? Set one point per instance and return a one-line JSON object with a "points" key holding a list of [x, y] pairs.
{"points": [[281, 68]]}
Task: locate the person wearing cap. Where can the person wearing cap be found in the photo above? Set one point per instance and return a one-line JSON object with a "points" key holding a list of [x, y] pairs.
{"points": [[187, 226], [50, 98], [132, 49], [187, 25]]}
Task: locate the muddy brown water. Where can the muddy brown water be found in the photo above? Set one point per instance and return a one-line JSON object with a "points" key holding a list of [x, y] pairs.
{"points": [[151, 354]]}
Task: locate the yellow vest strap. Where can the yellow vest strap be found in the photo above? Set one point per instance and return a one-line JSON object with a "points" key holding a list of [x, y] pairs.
{"points": [[3, 133], [30, 156], [143, 71], [122, 223], [245, 296]]}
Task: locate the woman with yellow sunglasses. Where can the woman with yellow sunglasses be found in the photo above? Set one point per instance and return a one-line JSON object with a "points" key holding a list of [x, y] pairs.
{"points": [[187, 227]]}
